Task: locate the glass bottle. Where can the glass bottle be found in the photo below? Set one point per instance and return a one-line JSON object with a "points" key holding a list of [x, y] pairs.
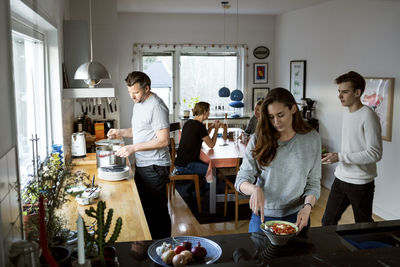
{"points": [[225, 132]]}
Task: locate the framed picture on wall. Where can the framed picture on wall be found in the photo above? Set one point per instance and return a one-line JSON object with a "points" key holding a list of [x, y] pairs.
{"points": [[378, 95], [259, 94], [260, 73], [298, 79]]}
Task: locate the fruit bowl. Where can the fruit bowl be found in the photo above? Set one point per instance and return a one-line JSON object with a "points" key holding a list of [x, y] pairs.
{"points": [[278, 239]]}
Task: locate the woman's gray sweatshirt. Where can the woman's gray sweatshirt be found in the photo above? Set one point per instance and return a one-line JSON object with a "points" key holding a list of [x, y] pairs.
{"points": [[293, 174]]}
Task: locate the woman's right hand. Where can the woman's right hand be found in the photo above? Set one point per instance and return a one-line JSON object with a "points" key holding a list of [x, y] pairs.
{"points": [[256, 202], [217, 124], [113, 133]]}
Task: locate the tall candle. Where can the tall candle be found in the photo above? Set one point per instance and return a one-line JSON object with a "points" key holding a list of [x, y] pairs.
{"points": [[81, 241]]}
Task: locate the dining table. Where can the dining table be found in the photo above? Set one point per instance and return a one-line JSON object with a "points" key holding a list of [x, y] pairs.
{"points": [[223, 155]]}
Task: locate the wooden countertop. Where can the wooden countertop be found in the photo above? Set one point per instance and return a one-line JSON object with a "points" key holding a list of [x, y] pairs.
{"points": [[122, 196]]}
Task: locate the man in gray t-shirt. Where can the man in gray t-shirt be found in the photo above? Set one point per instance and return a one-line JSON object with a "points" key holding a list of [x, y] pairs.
{"points": [[150, 135]]}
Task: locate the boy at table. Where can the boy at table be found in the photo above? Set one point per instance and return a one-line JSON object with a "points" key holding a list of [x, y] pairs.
{"points": [[194, 133], [251, 126]]}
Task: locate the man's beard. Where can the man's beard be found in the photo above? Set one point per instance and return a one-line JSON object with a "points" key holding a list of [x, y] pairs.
{"points": [[144, 97]]}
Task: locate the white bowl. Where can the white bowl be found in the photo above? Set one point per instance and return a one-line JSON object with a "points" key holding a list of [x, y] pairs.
{"points": [[276, 239], [82, 200], [91, 192]]}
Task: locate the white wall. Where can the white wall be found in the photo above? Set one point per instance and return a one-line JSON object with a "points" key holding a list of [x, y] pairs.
{"points": [[10, 211], [6, 83], [190, 28], [334, 38], [7, 120]]}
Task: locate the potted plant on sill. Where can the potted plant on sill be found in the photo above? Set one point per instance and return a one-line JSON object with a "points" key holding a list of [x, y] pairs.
{"points": [[189, 103], [96, 244], [50, 181]]}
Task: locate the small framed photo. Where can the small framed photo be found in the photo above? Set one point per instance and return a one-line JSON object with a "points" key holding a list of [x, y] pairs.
{"points": [[259, 93], [298, 79], [378, 95], [260, 72]]}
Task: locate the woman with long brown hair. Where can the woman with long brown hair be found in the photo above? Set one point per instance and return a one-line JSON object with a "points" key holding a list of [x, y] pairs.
{"points": [[281, 169]]}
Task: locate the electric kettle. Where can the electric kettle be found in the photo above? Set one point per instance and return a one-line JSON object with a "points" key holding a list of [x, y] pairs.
{"points": [[78, 145]]}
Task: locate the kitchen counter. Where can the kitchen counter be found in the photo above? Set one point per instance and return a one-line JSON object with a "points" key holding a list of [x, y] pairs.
{"points": [[324, 246], [122, 196]]}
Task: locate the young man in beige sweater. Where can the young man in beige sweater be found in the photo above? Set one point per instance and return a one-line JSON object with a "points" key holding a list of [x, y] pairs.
{"points": [[361, 148]]}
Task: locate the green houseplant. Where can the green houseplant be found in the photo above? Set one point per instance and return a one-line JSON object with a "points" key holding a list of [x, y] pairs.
{"points": [[53, 176], [189, 105], [96, 242]]}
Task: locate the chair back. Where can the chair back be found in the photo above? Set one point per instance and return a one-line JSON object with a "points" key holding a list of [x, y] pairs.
{"points": [[238, 163], [174, 126]]}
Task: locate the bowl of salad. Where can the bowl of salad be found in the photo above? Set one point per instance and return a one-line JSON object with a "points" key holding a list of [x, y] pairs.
{"points": [[279, 232]]}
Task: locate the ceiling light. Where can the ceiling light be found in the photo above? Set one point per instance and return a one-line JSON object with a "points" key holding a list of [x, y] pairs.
{"points": [[224, 91], [91, 72]]}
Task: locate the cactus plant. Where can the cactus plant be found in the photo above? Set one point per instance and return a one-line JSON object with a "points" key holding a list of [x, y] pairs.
{"points": [[101, 229]]}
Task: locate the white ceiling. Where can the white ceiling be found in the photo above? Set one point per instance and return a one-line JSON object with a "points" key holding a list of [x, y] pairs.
{"points": [[270, 7]]}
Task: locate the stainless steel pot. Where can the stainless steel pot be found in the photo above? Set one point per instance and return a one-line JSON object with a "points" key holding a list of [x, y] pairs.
{"points": [[105, 153]]}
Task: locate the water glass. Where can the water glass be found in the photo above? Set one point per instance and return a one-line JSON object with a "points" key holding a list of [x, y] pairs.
{"points": [[236, 136]]}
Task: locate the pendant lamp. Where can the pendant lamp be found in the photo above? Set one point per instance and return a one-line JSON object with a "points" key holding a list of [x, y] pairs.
{"points": [[224, 91], [91, 72]]}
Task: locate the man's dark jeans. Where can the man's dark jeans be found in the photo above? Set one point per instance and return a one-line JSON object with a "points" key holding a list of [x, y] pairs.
{"points": [[359, 196], [151, 183]]}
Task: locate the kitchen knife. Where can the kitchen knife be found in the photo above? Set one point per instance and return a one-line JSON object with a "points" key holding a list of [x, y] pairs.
{"points": [[115, 104], [106, 104], [90, 104], [99, 106], [94, 107], [109, 104], [86, 106], [80, 102]]}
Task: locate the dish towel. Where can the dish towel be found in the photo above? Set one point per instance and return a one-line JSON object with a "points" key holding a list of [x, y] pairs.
{"points": [[204, 158]]}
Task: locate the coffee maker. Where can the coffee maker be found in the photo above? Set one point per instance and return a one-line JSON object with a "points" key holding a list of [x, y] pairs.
{"points": [[307, 108]]}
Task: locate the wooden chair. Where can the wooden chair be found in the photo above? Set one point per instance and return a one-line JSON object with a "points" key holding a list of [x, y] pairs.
{"points": [[239, 198], [181, 177]]}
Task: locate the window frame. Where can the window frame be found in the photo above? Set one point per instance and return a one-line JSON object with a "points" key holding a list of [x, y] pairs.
{"points": [[46, 34], [192, 49]]}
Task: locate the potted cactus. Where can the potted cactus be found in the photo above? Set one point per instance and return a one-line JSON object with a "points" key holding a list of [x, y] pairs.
{"points": [[96, 243]]}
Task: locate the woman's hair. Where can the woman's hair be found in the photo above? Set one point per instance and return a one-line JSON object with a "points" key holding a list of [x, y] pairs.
{"points": [[200, 108], [267, 136]]}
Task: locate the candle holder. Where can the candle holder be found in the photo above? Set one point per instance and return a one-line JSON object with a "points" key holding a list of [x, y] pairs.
{"points": [[86, 264]]}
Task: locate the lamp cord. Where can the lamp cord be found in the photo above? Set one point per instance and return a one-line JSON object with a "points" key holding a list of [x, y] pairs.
{"points": [[237, 36], [224, 41]]}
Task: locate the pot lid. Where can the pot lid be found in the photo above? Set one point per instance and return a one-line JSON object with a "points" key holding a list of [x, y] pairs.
{"points": [[109, 142]]}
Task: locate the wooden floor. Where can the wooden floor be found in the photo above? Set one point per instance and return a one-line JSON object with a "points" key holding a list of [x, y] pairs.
{"points": [[184, 223]]}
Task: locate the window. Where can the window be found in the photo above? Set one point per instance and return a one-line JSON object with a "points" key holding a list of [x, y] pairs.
{"points": [[203, 75], [30, 97], [159, 68], [193, 71]]}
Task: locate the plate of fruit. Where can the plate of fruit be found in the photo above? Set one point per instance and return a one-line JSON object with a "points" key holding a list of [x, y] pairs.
{"points": [[184, 250]]}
